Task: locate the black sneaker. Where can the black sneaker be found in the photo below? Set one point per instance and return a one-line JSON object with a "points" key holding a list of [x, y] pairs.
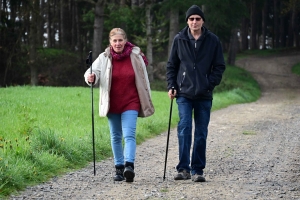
{"points": [[129, 174], [198, 178], [182, 175], [119, 174]]}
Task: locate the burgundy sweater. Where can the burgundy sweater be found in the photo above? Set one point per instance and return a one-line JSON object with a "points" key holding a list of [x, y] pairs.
{"points": [[123, 92]]}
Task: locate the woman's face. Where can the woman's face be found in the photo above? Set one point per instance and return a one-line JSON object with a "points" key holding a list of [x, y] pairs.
{"points": [[117, 42]]}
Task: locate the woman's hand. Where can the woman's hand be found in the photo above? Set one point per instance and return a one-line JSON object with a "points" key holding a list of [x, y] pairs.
{"points": [[91, 78]]}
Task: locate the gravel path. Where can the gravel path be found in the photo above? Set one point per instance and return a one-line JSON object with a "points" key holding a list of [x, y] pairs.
{"points": [[253, 151]]}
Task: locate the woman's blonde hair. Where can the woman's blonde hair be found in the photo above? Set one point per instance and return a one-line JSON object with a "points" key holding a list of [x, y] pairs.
{"points": [[117, 31]]}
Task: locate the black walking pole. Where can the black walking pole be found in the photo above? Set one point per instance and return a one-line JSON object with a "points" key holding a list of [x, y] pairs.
{"points": [[89, 62], [167, 147]]}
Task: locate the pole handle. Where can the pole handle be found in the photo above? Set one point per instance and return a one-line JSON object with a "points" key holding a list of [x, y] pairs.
{"points": [[90, 60]]}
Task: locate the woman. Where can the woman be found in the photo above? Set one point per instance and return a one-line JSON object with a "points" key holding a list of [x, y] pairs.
{"points": [[124, 96]]}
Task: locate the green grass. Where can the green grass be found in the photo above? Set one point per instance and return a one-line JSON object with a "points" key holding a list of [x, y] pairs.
{"points": [[237, 86], [262, 52], [249, 132], [46, 131], [296, 69]]}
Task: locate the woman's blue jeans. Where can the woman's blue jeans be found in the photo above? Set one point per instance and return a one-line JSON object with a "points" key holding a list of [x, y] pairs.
{"points": [[201, 110], [123, 125]]}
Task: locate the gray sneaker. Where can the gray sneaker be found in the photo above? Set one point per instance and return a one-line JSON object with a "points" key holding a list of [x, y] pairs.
{"points": [[182, 175], [198, 178]]}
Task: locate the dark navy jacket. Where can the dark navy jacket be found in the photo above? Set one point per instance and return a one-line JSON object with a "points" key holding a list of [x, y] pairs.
{"points": [[194, 74]]}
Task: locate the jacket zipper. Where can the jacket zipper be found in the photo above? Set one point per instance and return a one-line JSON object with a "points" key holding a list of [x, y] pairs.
{"points": [[182, 80]]}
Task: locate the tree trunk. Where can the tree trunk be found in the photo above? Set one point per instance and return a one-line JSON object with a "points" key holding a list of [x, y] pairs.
{"points": [[282, 28], [149, 40], [292, 26], [32, 42], [233, 47], [253, 43], [65, 24], [98, 28], [245, 34], [1, 9], [41, 25], [276, 32], [296, 31], [74, 22], [134, 3], [264, 24], [78, 36], [174, 27], [49, 23]]}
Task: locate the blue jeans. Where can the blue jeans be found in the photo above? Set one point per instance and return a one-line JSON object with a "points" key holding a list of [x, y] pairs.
{"points": [[120, 125], [202, 110]]}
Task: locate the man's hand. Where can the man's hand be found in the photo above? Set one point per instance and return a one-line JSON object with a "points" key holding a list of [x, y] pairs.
{"points": [[172, 93]]}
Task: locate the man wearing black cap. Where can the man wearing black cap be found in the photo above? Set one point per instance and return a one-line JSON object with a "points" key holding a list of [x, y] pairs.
{"points": [[194, 68]]}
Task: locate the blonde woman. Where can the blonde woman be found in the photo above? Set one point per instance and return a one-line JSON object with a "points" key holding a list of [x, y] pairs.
{"points": [[124, 95]]}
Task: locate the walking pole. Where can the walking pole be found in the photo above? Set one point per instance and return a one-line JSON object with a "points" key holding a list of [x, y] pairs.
{"points": [[89, 62], [167, 147]]}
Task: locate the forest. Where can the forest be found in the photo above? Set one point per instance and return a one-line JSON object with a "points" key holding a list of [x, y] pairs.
{"points": [[46, 42]]}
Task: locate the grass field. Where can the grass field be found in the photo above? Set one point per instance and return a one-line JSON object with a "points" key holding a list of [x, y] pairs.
{"points": [[46, 131]]}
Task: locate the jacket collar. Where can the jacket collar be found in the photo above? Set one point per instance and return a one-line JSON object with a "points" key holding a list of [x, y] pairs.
{"points": [[184, 33], [135, 50]]}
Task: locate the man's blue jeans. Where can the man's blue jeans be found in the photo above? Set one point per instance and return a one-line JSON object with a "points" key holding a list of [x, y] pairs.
{"points": [[120, 125], [201, 110]]}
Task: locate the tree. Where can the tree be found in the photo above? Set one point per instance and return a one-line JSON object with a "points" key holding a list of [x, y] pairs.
{"points": [[291, 9], [77, 26], [264, 24], [98, 28], [32, 41], [253, 21], [149, 39], [233, 47], [173, 27]]}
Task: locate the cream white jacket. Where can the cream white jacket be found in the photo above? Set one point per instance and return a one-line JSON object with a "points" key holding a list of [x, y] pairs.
{"points": [[102, 68]]}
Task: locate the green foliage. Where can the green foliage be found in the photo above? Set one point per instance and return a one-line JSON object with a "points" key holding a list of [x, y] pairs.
{"points": [[233, 77], [159, 35], [58, 67], [159, 85], [88, 18], [51, 53], [132, 21], [296, 69], [221, 18]]}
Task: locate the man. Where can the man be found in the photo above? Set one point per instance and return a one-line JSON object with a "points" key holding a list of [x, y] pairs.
{"points": [[194, 68]]}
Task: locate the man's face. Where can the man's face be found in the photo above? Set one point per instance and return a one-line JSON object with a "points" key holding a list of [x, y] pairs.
{"points": [[195, 22]]}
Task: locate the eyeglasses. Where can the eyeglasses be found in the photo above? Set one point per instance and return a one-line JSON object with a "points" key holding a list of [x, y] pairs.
{"points": [[196, 18]]}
